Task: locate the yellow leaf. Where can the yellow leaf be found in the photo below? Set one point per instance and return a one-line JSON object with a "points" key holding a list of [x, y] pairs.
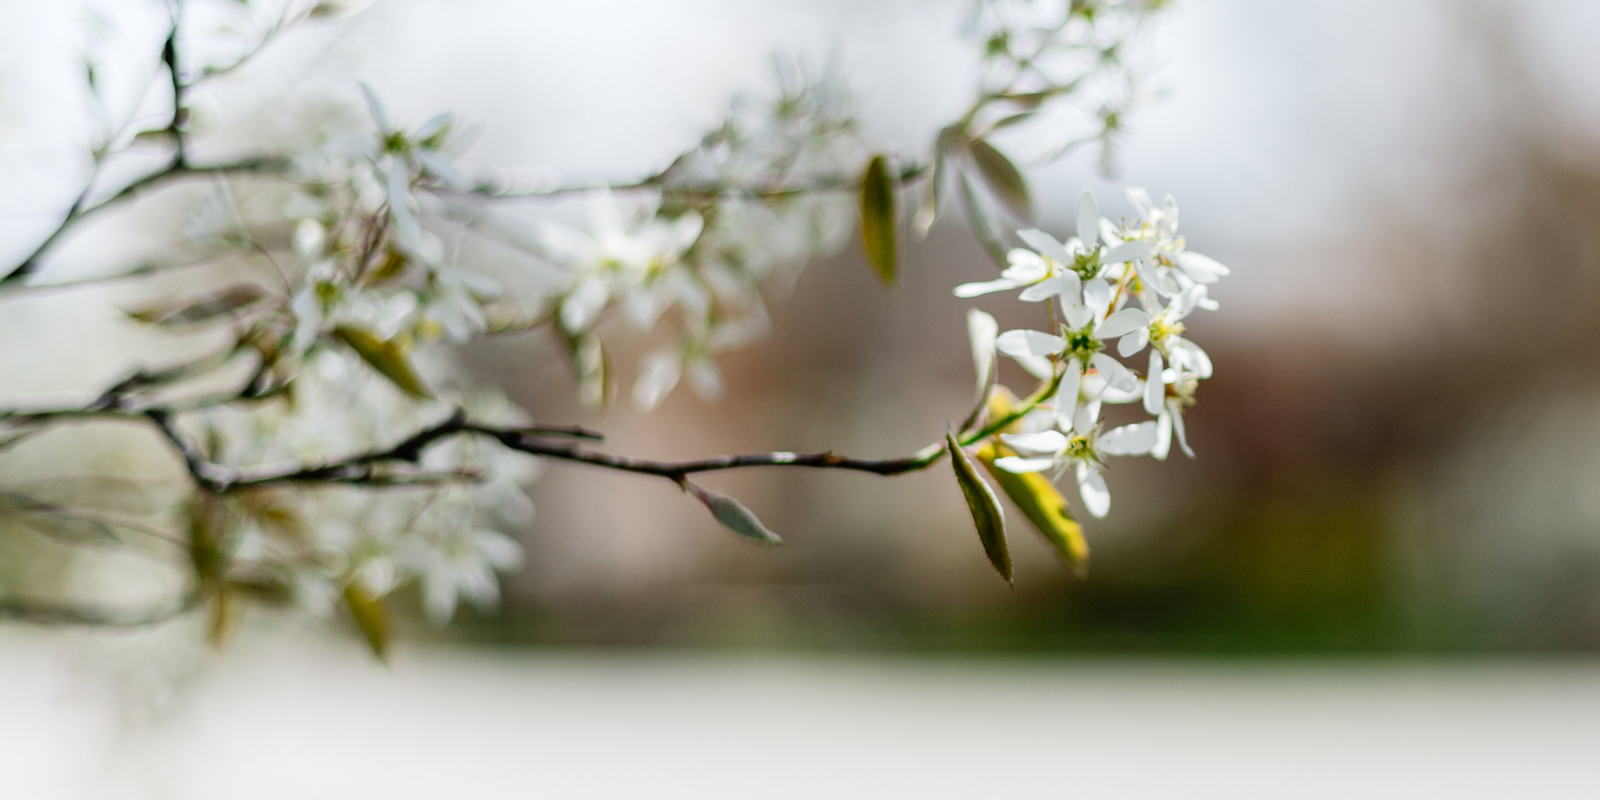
{"points": [[877, 219], [371, 616], [985, 508], [387, 357], [1041, 502]]}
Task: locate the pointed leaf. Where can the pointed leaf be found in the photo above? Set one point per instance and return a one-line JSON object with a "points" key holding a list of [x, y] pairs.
{"points": [[946, 146], [227, 611], [733, 515], [985, 508], [877, 219], [1042, 504], [387, 357], [372, 617], [1002, 178], [982, 224]]}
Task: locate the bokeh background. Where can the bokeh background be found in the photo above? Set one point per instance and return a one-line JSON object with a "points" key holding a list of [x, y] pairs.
{"points": [[1398, 464]]}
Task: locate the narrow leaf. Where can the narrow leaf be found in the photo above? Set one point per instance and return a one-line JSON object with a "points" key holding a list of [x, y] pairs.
{"points": [[1014, 119], [877, 219], [371, 616], [387, 357], [1002, 178], [190, 311], [982, 224], [1042, 503], [986, 516], [733, 515], [946, 146], [227, 611]]}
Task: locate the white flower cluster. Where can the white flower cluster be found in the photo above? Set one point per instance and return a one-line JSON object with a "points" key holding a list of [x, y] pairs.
{"points": [[723, 221], [321, 540], [1115, 287], [1068, 53], [367, 259]]}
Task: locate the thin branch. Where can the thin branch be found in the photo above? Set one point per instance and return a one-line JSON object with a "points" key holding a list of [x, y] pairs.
{"points": [[267, 165], [54, 612], [834, 183]]}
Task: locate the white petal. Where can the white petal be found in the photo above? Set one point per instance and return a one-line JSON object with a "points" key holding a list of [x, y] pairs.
{"points": [[1202, 269], [1016, 464], [1113, 371], [1067, 392], [1065, 283], [1097, 296], [1198, 360], [1093, 489], [1133, 342], [1152, 277], [706, 379], [1078, 315], [1088, 219], [1045, 244], [1040, 442], [1037, 366], [1141, 201], [1108, 233], [1112, 394], [1177, 425], [1029, 343], [1086, 417], [644, 306], [1025, 266], [982, 331], [1163, 443], [1154, 389], [584, 304], [1169, 218], [1127, 251], [1129, 440], [1121, 323], [966, 290], [657, 376]]}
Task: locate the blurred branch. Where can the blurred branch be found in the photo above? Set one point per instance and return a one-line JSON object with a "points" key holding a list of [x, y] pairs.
{"points": [[266, 165], [835, 183], [51, 612]]}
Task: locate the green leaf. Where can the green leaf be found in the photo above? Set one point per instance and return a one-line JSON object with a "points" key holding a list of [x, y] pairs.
{"points": [[1041, 502], [372, 617], [946, 146], [982, 224], [985, 507], [733, 515], [877, 219], [387, 357], [204, 309], [1002, 178], [1014, 119]]}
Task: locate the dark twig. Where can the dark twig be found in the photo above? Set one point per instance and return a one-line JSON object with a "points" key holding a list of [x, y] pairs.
{"points": [[53, 612]]}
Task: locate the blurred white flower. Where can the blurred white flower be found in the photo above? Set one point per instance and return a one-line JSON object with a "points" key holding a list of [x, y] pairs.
{"points": [[627, 253]]}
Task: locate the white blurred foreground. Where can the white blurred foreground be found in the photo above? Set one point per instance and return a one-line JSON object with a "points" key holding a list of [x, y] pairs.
{"points": [[311, 723]]}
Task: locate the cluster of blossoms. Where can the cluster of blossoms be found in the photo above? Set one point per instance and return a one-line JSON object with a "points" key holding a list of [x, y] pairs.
{"points": [[706, 235], [1069, 53], [354, 459], [1116, 287], [367, 259], [346, 352]]}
